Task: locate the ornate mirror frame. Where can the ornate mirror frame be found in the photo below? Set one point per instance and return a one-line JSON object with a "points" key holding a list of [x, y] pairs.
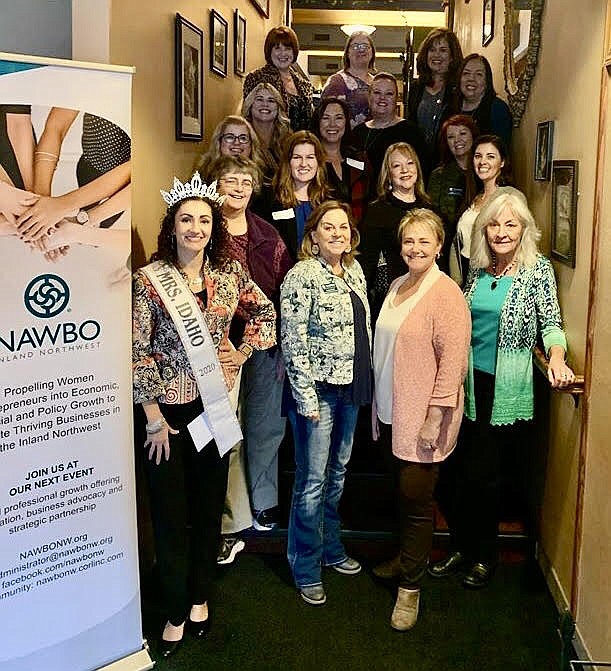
{"points": [[518, 87]]}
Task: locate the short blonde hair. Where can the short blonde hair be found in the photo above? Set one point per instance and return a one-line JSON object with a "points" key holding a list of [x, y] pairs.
{"points": [[314, 220], [422, 216], [515, 200]]}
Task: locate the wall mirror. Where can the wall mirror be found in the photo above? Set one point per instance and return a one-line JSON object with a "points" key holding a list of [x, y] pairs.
{"points": [[522, 38]]}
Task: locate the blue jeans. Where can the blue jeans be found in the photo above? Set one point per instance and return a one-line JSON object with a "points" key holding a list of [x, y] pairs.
{"points": [[322, 451]]}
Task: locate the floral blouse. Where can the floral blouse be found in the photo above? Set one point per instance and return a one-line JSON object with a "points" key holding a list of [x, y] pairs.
{"points": [[353, 90], [161, 369]]}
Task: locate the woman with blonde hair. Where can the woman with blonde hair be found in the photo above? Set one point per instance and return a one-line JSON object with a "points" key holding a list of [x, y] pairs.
{"points": [[266, 111], [400, 189], [326, 343], [298, 187], [511, 292], [233, 136], [420, 361]]}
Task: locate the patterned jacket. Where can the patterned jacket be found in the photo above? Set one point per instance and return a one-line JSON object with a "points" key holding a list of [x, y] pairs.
{"points": [[317, 327], [530, 309], [161, 369]]}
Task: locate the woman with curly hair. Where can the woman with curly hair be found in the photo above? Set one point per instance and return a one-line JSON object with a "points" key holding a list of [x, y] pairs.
{"points": [[183, 367], [430, 97], [297, 188], [234, 136], [266, 111]]}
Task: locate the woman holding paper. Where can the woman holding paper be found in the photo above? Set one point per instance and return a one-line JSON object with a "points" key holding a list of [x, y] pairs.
{"points": [[183, 305]]}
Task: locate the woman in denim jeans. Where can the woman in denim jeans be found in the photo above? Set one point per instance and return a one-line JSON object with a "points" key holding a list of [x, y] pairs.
{"points": [[326, 341]]}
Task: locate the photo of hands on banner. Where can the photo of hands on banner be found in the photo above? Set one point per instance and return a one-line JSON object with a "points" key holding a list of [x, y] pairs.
{"points": [[54, 211]]}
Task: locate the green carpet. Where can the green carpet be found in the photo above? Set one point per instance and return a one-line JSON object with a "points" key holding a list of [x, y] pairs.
{"points": [[259, 622]]}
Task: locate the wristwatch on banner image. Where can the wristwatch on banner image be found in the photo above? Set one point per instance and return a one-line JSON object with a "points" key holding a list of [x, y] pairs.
{"points": [[82, 216], [246, 349]]}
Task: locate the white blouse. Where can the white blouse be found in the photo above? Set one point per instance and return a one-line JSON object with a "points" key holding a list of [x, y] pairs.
{"points": [[387, 326]]}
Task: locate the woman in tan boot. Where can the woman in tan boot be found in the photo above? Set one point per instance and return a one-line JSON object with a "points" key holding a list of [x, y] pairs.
{"points": [[420, 360]]}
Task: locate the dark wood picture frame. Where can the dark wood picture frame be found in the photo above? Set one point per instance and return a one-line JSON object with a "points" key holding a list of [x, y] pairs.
{"points": [[487, 22], [565, 179], [189, 80], [239, 43], [262, 7], [218, 43], [544, 148]]}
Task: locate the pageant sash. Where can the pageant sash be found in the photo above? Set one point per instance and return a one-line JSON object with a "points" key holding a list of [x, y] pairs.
{"points": [[189, 321]]}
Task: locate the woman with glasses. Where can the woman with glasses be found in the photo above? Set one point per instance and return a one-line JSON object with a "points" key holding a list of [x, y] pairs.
{"points": [[265, 109], [234, 136], [281, 49], [352, 84], [260, 250]]}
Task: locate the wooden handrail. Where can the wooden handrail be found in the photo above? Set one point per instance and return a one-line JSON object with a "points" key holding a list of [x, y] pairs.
{"points": [[576, 388]]}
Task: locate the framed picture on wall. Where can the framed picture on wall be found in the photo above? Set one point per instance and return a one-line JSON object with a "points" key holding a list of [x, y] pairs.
{"points": [[488, 22], [262, 7], [564, 210], [239, 43], [544, 151], [189, 82], [218, 43]]}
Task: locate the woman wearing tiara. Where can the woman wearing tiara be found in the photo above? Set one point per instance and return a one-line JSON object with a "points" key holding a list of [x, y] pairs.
{"points": [[183, 304]]}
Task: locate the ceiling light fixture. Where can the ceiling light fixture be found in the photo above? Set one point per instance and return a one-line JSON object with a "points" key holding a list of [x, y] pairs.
{"points": [[355, 28]]}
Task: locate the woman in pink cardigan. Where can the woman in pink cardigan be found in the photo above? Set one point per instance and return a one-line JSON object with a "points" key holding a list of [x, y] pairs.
{"points": [[420, 356]]}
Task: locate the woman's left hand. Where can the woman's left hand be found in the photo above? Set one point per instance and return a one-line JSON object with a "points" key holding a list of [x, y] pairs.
{"points": [[429, 433], [230, 357], [43, 216], [558, 373]]}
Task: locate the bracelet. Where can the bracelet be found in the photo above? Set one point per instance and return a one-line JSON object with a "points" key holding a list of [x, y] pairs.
{"points": [[156, 426], [46, 153]]}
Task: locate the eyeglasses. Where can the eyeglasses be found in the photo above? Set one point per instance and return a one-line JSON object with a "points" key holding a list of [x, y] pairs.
{"points": [[360, 46], [230, 138], [234, 181]]}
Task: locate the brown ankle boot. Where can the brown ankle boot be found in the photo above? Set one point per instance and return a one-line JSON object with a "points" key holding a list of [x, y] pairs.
{"points": [[405, 612]]}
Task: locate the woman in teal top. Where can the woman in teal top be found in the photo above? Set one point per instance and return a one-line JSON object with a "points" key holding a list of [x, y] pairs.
{"points": [[511, 291]]}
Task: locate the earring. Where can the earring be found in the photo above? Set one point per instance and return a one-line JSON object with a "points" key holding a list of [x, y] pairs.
{"points": [[348, 249], [315, 249], [390, 186], [438, 255]]}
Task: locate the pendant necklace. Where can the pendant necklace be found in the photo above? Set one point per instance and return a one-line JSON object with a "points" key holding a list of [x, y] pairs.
{"points": [[495, 282]]}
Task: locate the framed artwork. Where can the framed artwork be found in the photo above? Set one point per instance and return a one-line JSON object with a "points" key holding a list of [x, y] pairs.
{"points": [[189, 83], [544, 151], [262, 7], [488, 22], [239, 43], [218, 43], [564, 210]]}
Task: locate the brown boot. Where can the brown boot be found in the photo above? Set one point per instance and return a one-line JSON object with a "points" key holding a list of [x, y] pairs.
{"points": [[389, 569], [405, 612]]}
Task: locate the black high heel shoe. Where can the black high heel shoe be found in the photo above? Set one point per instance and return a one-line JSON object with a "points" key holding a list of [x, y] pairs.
{"points": [[168, 648], [198, 629]]}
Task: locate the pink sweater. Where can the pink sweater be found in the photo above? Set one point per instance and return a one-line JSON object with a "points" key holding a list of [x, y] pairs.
{"points": [[430, 364]]}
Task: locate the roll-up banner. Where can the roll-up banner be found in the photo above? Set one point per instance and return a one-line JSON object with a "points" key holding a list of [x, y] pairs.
{"points": [[69, 590]]}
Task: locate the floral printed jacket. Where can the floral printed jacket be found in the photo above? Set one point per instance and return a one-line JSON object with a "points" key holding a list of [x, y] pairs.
{"points": [[161, 368], [317, 327]]}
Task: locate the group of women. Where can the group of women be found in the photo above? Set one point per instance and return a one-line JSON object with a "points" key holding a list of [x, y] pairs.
{"points": [[257, 273]]}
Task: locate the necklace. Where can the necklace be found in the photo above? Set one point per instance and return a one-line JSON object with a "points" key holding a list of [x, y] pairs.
{"points": [[508, 267]]}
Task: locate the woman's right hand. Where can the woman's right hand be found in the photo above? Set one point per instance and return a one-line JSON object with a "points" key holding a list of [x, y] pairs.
{"points": [[160, 443]]}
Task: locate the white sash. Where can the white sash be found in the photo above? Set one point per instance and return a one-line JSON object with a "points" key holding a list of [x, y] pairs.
{"points": [[218, 419]]}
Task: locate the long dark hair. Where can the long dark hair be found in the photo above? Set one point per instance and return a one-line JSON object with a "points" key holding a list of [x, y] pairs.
{"points": [[346, 144], [217, 248], [481, 115], [425, 75], [505, 177]]}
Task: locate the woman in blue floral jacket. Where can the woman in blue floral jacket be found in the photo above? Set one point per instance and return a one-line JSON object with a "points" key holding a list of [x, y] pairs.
{"points": [[326, 343]]}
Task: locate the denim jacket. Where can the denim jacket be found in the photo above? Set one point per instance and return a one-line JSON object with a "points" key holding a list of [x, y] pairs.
{"points": [[317, 327]]}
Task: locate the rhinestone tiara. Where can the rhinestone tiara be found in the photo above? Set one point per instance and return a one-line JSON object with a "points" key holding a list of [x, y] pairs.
{"points": [[194, 188]]}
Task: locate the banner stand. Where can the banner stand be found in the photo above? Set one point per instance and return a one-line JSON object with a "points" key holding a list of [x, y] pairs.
{"points": [[138, 661]]}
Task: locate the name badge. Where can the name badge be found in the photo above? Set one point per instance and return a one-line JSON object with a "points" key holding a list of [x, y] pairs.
{"points": [[455, 191], [283, 214], [359, 165]]}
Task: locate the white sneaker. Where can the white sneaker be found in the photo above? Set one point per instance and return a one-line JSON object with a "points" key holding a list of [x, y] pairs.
{"points": [[230, 546]]}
